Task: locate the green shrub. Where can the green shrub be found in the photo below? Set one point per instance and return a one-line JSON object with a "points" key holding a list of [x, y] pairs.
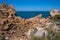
{"points": [[37, 38], [2, 37]]}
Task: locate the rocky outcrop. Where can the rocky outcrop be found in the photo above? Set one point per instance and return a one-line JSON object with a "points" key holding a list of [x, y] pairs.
{"points": [[54, 12], [13, 27], [38, 32]]}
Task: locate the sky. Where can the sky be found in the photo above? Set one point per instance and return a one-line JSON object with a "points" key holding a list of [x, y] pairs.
{"points": [[33, 5]]}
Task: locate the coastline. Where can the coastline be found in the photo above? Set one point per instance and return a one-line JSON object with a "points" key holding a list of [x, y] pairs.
{"points": [[13, 27]]}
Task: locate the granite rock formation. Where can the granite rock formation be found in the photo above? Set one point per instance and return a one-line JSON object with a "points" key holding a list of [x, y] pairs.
{"points": [[54, 12], [13, 27]]}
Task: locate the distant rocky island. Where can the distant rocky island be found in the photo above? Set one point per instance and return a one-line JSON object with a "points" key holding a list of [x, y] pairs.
{"points": [[13, 27]]}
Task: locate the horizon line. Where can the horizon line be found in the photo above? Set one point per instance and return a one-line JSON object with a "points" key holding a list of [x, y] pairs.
{"points": [[28, 10]]}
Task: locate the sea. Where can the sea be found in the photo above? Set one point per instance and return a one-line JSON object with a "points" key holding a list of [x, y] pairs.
{"points": [[30, 14]]}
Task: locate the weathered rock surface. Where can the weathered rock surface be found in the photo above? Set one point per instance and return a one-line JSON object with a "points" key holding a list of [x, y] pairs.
{"points": [[54, 12], [13, 27]]}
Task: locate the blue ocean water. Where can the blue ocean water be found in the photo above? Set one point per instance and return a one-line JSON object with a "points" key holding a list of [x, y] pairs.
{"points": [[29, 14]]}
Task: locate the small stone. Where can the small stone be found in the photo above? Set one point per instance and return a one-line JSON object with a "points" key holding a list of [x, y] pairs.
{"points": [[6, 37], [5, 27]]}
